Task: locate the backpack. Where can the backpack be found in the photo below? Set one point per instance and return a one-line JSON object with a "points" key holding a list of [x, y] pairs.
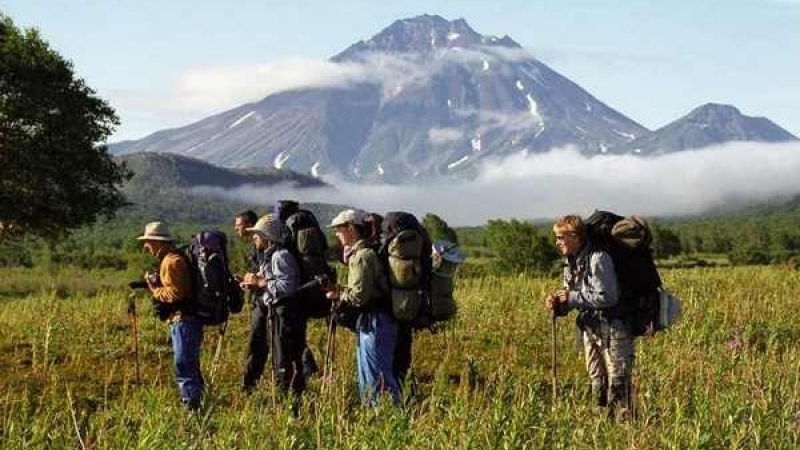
{"points": [[420, 274], [308, 243], [216, 292], [446, 259], [642, 300]]}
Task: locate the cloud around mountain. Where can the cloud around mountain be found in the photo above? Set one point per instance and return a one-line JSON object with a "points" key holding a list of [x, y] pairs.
{"points": [[562, 181], [200, 91]]}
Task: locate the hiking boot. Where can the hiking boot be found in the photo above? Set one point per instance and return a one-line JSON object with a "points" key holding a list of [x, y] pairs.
{"points": [[248, 388], [310, 366], [620, 402], [600, 395]]}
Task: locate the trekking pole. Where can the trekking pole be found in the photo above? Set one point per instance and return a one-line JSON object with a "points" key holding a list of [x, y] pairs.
{"points": [[218, 351], [330, 352], [555, 359], [134, 331]]}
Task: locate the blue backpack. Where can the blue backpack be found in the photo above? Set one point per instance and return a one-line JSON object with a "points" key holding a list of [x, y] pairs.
{"points": [[216, 292]]}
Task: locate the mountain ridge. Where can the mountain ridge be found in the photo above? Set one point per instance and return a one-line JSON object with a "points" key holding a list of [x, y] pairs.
{"points": [[706, 125]]}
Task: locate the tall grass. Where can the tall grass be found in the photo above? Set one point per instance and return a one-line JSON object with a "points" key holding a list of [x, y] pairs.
{"points": [[726, 376]]}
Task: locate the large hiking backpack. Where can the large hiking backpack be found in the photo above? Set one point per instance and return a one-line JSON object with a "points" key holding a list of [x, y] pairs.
{"points": [[308, 243], [642, 300], [420, 274], [216, 292]]}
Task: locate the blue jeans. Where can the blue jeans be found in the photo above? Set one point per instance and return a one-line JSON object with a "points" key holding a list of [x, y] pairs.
{"points": [[377, 334], [187, 335]]}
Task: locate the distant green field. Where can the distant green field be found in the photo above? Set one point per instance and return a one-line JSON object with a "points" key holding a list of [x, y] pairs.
{"points": [[725, 377]]}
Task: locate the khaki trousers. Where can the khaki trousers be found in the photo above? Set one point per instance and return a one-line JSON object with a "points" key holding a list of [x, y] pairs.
{"points": [[608, 348]]}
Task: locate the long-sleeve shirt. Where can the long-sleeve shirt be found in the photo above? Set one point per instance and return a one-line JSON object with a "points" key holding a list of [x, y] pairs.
{"points": [[591, 281], [176, 278], [279, 268], [366, 280]]}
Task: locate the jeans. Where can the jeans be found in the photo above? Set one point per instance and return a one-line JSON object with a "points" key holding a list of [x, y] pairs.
{"points": [[377, 334], [187, 336]]}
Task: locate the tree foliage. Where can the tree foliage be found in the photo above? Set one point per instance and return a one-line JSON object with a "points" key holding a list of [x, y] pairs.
{"points": [[520, 246], [55, 172], [666, 243], [438, 229]]}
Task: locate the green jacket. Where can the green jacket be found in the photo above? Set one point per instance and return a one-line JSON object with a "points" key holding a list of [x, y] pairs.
{"points": [[367, 285]]}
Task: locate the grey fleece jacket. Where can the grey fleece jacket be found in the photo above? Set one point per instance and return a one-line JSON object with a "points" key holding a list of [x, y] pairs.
{"points": [[591, 281]]}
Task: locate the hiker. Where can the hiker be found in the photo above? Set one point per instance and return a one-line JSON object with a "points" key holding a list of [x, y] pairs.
{"points": [[391, 225], [277, 277], [172, 293], [590, 286], [243, 221], [405, 332], [290, 214], [367, 289], [258, 338]]}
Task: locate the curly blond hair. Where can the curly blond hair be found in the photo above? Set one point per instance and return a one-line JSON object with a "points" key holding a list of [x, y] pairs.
{"points": [[570, 224]]}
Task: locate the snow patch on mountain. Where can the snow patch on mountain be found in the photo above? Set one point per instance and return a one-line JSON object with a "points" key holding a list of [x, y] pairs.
{"points": [[242, 119], [280, 160], [628, 136], [476, 143], [457, 163], [533, 107]]}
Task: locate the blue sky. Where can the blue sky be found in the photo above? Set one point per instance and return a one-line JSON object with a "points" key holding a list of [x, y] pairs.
{"points": [[167, 63]]}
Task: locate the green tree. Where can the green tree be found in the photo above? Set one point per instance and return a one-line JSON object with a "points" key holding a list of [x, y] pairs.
{"points": [[520, 247], [438, 229], [666, 242], [55, 172]]}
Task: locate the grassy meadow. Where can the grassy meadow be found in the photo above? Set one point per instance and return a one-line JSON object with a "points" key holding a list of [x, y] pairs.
{"points": [[725, 377]]}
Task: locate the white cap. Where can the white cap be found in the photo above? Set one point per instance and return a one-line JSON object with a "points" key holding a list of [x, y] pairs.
{"points": [[354, 216]]}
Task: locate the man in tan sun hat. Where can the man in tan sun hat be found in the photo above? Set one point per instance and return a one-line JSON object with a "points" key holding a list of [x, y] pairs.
{"points": [[172, 293]]}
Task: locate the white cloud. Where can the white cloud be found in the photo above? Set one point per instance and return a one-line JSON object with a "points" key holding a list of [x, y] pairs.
{"points": [[562, 181], [216, 88], [509, 121], [440, 136], [200, 91]]}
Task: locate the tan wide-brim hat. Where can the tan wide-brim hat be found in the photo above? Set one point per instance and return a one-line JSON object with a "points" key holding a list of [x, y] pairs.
{"points": [[156, 231], [271, 228]]}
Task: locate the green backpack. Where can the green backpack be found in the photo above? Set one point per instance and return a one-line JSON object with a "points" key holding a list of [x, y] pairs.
{"points": [[420, 274]]}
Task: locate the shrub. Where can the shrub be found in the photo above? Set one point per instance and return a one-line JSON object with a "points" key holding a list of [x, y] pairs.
{"points": [[520, 247]]}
